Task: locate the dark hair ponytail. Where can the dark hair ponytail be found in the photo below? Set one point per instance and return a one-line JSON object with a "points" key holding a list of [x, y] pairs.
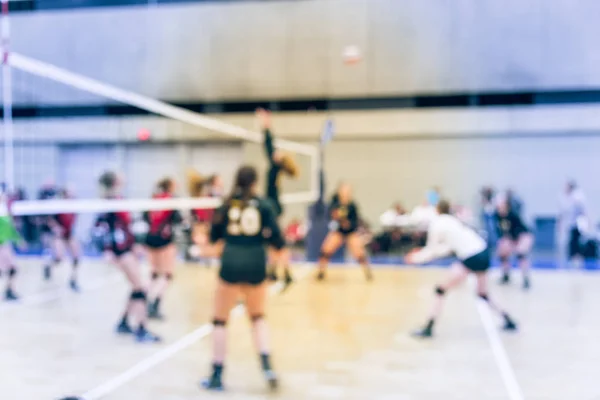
{"points": [[165, 185], [245, 179]]}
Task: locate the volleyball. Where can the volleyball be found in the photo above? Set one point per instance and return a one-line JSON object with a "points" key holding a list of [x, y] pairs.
{"points": [[351, 55]]}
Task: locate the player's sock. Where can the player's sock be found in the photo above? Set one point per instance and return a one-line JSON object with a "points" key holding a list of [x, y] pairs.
{"points": [[505, 278], [427, 331], [271, 273], [509, 324], [270, 375], [526, 282]]}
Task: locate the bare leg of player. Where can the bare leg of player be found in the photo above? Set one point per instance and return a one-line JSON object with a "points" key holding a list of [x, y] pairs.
{"points": [[8, 268], [255, 303], [332, 242], [482, 292], [458, 274], [226, 295], [74, 249], [357, 249], [136, 305]]}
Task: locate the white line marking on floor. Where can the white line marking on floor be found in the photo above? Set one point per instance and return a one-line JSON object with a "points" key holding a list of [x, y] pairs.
{"points": [[501, 357], [50, 295], [167, 352]]}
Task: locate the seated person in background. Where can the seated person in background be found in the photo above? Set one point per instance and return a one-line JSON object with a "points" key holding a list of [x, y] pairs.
{"points": [[420, 218], [395, 217], [295, 232]]}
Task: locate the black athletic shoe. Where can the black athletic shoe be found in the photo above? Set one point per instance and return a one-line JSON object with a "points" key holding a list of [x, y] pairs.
{"points": [[47, 272], [143, 336], [10, 295], [153, 312], [271, 379], [74, 286], [271, 274], [423, 333], [505, 280], [321, 276], [287, 280], [509, 324], [526, 283], [124, 329], [213, 383]]}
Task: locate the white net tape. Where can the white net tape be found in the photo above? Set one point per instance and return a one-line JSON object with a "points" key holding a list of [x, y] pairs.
{"points": [[56, 74]]}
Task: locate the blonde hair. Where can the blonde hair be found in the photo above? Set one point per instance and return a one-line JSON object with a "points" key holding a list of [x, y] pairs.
{"points": [[195, 183], [289, 165]]}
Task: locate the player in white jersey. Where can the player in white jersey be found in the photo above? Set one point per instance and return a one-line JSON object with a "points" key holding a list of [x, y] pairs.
{"points": [[448, 235]]}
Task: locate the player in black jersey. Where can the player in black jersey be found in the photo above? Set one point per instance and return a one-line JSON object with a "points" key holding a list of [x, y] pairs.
{"points": [[279, 162], [343, 227], [118, 246], [515, 237], [162, 252], [241, 228]]}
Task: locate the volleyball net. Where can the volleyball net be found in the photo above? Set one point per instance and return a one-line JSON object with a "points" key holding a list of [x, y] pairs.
{"points": [[44, 146]]}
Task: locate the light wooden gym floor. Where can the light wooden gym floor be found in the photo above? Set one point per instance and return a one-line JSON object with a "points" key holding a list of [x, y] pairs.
{"points": [[341, 339]]}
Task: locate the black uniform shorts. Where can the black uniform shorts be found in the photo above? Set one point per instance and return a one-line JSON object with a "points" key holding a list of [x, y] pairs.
{"points": [[243, 264], [157, 241], [480, 262]]}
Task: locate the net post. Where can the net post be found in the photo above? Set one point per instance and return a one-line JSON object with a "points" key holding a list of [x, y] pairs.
{"points": [[7, 122]]}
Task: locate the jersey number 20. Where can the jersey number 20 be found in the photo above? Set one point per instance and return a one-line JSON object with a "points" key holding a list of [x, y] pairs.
{"points": [[245, 221]]}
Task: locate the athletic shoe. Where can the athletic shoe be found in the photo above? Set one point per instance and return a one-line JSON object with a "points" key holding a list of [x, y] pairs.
{"points": [[526, 283], [321, 276], [271, 378], [423, 333], [74, 286], [10, 295], [213, 383], [505, 280], [124, 329], [509, 324], [47, 272], [153, 312], [143, 336]]}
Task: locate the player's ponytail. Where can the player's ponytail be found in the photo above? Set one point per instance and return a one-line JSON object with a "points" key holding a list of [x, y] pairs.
{"points": [[245, 180]]}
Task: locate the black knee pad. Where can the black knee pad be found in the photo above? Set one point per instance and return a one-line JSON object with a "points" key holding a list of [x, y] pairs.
{"points": [[324, 255], [169, 276], [155, 276], [219, 322], [483, 296], [363, 260], [503, 259], [138, 295], [12, 272], [440, 291], [521, 256], [256, 317]]}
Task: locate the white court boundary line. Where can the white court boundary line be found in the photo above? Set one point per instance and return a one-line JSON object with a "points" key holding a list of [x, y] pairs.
{"points": [[47, 296], [166, 353], [500, 355]]}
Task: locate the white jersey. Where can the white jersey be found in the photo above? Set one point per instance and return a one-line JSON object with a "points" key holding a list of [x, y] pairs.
{"points": [[447, 235], [573, 208]]}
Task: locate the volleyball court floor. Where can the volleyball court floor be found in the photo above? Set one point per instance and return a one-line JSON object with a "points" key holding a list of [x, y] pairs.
{"points": [[340, 339]]}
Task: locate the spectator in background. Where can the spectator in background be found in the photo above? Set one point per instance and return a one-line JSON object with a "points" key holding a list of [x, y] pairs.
{"points": [[573, 223], [295, 232], [488, 208], [514, 202], [395, 217], [421, 217]]}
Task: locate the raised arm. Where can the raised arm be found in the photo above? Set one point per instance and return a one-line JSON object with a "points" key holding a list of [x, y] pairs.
{"points": [[264, 118]]}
